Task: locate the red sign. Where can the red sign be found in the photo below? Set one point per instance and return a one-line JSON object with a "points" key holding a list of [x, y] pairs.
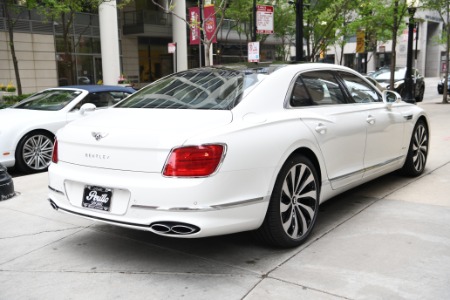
{"points": [[210, 23], [194, 21], [264, 19], [172, 47]]}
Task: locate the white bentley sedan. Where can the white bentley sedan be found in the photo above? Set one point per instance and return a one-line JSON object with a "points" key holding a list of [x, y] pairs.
{"points": [[213, 151]]}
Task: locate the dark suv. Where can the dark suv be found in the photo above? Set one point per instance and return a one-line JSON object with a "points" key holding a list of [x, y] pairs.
{"points": [[383, 76]]}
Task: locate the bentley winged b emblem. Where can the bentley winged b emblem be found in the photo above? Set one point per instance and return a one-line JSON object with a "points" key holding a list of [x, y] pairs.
{"points": [[99, 135]]}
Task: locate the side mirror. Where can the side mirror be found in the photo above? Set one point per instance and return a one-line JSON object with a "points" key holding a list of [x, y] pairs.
{"points": [[87, 107], [390, 97]]}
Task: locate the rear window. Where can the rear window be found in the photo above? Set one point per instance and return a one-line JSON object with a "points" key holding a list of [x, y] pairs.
{"points": [[206, 88]]}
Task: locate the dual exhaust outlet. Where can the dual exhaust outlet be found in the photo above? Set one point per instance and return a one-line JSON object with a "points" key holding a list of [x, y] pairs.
{"points": [[174, 228], [164, 228]]}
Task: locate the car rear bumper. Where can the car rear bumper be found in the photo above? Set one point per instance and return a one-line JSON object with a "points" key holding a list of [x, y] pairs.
{"points": [[196, 207]]}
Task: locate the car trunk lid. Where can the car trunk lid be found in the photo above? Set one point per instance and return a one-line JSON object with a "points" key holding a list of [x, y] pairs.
{"points": [[133, 139]]}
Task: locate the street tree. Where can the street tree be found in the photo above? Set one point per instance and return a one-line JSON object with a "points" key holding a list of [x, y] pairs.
{"points": [[284, 29], [219, 13], [328, 23], [239, 12], [12, 13], [382, 20]]}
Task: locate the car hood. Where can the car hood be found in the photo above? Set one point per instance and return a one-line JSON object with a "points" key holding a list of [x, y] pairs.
{"points": [[11, 116], [133, 139]]}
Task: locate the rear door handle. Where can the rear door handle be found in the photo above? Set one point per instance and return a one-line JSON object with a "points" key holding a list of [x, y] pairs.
{"points": [[371, 120]]}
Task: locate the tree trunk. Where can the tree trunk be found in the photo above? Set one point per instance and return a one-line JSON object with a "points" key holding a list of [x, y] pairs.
{"points": [[207, 50], [12, 48], [67, 59]]}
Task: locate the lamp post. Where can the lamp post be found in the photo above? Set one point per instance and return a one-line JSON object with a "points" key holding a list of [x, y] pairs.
{"points": [[409, 81], [298, 28]]}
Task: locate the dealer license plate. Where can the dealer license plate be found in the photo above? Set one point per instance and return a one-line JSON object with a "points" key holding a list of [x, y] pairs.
{"points": [[97, 197]]}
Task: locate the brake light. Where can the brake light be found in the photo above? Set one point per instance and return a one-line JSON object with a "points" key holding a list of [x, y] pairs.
{"points": [[194, 161], [55, 152]]}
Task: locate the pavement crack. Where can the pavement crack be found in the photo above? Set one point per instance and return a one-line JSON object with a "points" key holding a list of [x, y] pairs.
{"points": [[37, 233], [43, 246], [305, 287]]}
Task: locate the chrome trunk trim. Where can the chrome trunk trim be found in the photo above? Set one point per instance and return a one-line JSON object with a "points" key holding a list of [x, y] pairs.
{"points": [[205, 208]]}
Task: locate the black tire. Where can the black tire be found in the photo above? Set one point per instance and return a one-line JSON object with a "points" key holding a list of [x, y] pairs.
{"points": [[416, 158], [295, 198], [419, 98], [34, 152]]}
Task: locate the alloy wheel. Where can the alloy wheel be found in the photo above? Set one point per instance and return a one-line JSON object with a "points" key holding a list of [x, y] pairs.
{"points": [[420, 147], [298, 203], [37, 152]]}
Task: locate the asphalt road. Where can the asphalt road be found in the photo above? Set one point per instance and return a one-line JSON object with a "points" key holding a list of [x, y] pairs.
{"points": [[388, 239]]}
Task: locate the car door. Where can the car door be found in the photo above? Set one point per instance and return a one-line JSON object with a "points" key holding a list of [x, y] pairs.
{"points": [[339, 129], [384, 124]]}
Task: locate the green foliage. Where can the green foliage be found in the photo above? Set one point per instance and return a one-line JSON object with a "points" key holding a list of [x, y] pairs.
{"points": [[11, 100], [240, 11]]}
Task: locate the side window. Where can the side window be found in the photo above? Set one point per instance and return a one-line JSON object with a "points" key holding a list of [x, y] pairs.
{"points": [[360, 91], [101, 99], [323, 88], [300, 96], [117, 96]]}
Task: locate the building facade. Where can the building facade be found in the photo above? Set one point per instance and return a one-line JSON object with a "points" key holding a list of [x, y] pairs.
{"points": [[50, 53]]}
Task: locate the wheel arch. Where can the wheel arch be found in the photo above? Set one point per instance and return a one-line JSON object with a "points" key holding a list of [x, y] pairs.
{"points": [[36, 130], [423, 118], [308, 153]]}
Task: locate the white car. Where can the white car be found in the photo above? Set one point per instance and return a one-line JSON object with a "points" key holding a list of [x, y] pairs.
{"points": [[27, 129], [214, 151]]}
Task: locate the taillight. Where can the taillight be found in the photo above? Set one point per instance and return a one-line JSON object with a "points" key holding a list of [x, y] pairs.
{"points": [[55, 152], [194, 161]]}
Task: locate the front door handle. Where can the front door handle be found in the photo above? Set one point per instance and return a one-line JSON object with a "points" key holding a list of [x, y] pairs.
{"points": [[371, 120], [321, 129]]}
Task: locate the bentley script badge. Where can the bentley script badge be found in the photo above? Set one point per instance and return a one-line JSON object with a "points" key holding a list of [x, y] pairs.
{"points": [[99, 135]]}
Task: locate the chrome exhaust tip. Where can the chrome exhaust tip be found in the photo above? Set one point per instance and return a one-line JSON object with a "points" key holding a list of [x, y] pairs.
{"points": [[53, 204], [161, 228], [183, 229], [173, 228]]}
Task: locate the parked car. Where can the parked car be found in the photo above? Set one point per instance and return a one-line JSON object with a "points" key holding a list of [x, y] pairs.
{"points": [[6, 184], [84, 80], [214, 151], [383, 76], [375, 83], [440, 86], [27, 129]]}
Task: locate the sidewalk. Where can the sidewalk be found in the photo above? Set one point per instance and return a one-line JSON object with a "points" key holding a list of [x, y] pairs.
{"points": [[388, 239]]}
